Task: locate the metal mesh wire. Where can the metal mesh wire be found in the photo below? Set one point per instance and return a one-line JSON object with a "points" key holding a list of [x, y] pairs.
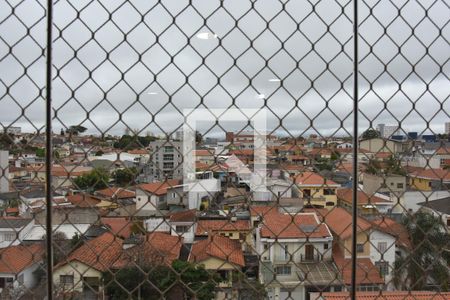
{"points": [[132, 79]]}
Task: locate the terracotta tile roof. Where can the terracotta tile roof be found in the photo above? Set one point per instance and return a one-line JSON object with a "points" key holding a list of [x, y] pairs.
{"points": [[442, 151], [204, 226], [204, 152], [366, 272], [63, 171], [363, 198], [99, 253], [431, 174], [119, 226], [300, 225], [12, 210], [385, 295], [320, 151], [339, 221], [116, 193], [184, 216], [395, 229], [15, 259], [242, 152], [83, 200], [263, 210], [219, 247], [157, 248], [139, 152], [159, 188], [383, 155], [312, 178]]}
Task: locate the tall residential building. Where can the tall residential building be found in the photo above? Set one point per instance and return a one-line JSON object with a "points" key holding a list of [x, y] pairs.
{"points": [[447, 127], [387, 131], [166, 160]]}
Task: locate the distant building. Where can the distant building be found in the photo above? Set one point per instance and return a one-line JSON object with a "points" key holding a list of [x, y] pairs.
{"points": [[4, 172], [386, 131], [14, 130], [166, 160], [447, 127]]}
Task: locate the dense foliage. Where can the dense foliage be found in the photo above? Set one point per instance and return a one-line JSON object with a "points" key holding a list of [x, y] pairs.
{"points": [[156, 282], [96, 179]]}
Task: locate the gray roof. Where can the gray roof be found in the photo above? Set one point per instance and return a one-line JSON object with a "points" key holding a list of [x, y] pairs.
{"points": [[13, 223], [440, 205]]}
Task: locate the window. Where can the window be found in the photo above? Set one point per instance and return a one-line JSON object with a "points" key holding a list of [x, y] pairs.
{"points": [[325, 246], [328, 192], [20, 279], [168, 165], [168, 149], [9, 237], [66, 279], [382, 246], [182, 228], [383, 267], [168, 157], [399, 185], [359, 248], [283, 270], [284, 252]]}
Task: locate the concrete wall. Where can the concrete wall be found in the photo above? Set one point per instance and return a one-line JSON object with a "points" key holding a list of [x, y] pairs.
{"points": [[78, 270]]}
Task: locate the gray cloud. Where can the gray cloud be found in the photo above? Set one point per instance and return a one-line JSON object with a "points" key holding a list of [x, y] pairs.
{"points": [[146, 55]]}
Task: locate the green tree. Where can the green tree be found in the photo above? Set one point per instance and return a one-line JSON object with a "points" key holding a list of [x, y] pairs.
{"points": [[130, 142], [40, 152], [198, 137], [370, 134], [429, 258], [99, 153], [150, 281], [96, 179], [126, 176], [76, 129]]}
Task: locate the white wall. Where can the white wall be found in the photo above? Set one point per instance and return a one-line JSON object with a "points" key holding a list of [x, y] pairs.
{"points": [[388, 256]]}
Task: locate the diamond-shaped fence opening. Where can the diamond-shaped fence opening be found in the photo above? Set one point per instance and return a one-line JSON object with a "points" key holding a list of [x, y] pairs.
{"points": [[207, 150]]}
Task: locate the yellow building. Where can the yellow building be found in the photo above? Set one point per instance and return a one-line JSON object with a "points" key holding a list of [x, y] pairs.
{"points": [[82, 270], [316, 190], [429, 179], [239, 230], [222, 255]]}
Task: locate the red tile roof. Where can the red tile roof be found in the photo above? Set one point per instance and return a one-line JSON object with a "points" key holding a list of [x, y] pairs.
{"points": [[159, 188], [339, 221], [119, 226], [220, 247], [363, 198], [99, 253], [366, 272], [15, 259], [184, 216], [431, 174], [157, 248], [204, 152], [385, 295], [395, 229], [312, 178], [83, 200], [204, 226], [293, 226], [139, 152], [442, 151], [116, 193]]}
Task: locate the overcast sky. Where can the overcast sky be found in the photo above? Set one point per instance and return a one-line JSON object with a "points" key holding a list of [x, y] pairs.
{"points": [[157, 66]]}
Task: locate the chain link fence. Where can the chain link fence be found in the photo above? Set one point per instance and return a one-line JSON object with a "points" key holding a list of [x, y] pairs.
{"points": [[206, 150]]}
